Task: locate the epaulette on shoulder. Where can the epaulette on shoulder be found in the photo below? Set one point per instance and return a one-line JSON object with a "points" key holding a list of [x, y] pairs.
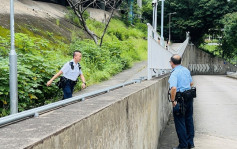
{"points": [[72, 66], [79, 66]]}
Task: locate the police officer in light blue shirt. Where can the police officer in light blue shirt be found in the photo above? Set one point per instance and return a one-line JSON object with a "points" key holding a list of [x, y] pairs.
{"points": [[71, 70], [180, 84]]}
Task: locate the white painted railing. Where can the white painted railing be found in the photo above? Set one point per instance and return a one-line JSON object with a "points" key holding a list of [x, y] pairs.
{"points": [[159, 56]]}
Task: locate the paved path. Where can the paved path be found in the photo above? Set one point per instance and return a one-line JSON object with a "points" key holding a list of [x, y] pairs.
{"points": [[215, 115], [175, 46]]}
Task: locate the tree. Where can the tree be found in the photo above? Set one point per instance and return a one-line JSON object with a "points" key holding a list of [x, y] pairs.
{"points": [[228, 41], [196, 16], [232, 5], [147, 11], [80, 6]]}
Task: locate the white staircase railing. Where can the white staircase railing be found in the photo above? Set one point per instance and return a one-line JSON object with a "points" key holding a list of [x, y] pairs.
{"points": [[159, 56]]}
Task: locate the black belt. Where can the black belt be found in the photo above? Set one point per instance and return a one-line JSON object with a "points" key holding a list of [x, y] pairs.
{"points": [[69, 80], [183, 95]]}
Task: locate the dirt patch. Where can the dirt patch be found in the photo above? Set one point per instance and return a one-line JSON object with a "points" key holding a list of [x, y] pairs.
{"points": [[35, 8], [39, 17]]}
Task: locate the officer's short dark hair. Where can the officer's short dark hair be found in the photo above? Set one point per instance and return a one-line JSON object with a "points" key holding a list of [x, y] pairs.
{"points": [[176, 61], [74, 53]]}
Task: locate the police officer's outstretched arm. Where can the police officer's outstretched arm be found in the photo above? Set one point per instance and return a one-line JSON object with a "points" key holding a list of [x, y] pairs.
{"points": [[54, 77], [83, 81]]}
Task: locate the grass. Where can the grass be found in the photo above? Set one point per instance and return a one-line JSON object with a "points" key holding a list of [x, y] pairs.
{"points": [[213, 49]]}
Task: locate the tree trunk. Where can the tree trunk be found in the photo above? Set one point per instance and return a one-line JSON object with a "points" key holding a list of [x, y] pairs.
{"points": [[107, 25]]}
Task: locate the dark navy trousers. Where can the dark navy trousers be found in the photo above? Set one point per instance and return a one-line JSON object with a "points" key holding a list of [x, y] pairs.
{"points": [[184, 124], [68, 90]]}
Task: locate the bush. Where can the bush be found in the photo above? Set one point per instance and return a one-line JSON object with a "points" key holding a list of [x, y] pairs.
{"points": [[142, 27], [100, 63], [33, 74], [4, 46], [33, 71]]}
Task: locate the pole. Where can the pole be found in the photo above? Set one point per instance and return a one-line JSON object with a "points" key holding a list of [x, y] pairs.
{"points": [[169, 27], [155, 28], [153, 17], [162, 22], [13, 65], [154, 23]]}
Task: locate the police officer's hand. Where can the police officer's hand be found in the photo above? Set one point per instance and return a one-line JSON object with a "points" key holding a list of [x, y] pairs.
{"points": [[49, 83], [174, 103], [83, 85]]}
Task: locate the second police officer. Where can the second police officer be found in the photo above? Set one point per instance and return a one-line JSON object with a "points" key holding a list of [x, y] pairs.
{"points": [[71, 71], [182, 100]]}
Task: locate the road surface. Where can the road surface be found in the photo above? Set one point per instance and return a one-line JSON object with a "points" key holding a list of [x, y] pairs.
{"points": [[215, 115]]}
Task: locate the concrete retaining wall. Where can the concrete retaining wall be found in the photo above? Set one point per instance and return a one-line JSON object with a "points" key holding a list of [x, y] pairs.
{"points": [[200, 62], [132, 117]]}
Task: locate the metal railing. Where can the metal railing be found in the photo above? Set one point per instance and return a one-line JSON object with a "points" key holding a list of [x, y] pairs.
{"points": [[36, 111], [158, 55]]}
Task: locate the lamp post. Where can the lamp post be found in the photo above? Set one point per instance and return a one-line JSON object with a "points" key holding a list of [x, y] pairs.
{"points": [[169, 24], [13, 65], [154, 20], [162, 22]]}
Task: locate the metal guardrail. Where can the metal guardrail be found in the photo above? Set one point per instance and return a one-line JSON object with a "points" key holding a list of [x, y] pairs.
{"points": [[36, 111], [158, 55]]}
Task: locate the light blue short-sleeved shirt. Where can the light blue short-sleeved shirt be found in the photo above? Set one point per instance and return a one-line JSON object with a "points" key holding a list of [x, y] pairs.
{"points": [[180, 78], [70, 73]]}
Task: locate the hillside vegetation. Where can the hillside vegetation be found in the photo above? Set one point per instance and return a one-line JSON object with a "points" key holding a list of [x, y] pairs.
{"points": [[42, 53]]}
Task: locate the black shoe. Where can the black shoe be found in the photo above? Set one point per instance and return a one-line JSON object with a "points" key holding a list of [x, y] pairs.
{"points": [[180, 148], [191, 146]]}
